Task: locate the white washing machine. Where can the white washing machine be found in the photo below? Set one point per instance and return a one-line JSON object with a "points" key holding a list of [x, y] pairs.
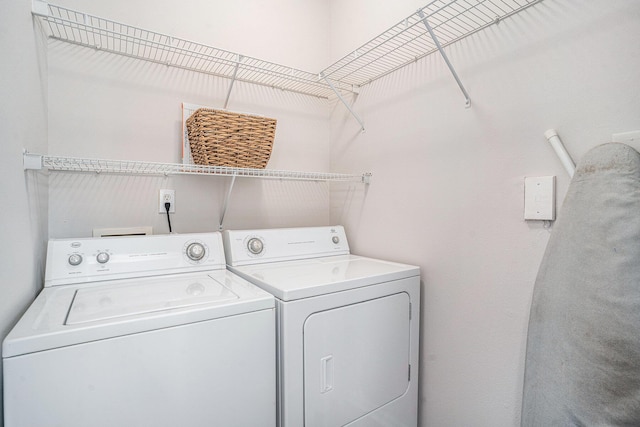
{"points": [[347, 326], [142, 331]]}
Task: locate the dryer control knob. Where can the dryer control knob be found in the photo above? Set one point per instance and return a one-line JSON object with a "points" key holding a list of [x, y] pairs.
{"points": [[102, 257], [335, 239], [195, 251], [255, 245], [75, 259]]}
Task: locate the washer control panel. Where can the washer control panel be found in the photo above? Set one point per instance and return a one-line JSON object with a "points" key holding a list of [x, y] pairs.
{"points": [[95, 259], [244, 247]]}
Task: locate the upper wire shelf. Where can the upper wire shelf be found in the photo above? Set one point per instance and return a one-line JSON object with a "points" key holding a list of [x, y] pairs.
{"points": [[400, 45], [428, 30], [409, 40], [132, 167], [83, 29]]}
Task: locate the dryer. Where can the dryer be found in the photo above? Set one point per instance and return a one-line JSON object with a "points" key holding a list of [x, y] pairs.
{"points": [[142, 331], [347, 326]]}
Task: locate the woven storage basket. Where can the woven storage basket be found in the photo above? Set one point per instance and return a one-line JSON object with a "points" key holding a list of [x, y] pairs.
{"points": [[222, 138]]}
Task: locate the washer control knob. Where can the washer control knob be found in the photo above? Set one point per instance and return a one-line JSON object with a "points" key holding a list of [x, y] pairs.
{"points": [[335, 239], [195, 251], [75, 259], [102, 257], [255, 245]]}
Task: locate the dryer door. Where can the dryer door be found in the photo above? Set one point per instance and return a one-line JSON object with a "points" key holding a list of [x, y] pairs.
{"points": [[356, 359]]}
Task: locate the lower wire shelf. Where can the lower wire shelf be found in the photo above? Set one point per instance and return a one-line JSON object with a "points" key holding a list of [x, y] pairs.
{"points": [[132, 167]]}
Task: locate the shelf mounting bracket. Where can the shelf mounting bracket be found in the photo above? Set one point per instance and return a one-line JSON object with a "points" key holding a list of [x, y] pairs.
{"points": [[40, 7], [346, 104], [444, 56], [225, 205], [233, 80], [31, 161]]}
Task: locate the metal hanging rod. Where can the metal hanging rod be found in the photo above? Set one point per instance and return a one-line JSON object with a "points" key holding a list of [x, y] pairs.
{"points": [[132, 167]]}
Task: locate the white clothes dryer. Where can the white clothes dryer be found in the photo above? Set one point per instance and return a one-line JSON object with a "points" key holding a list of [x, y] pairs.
{"points": [[142, 331], [348, 326]]}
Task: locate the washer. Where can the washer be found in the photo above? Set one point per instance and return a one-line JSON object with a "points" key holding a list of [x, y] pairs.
{"points": [[348, 326], [142, 331]]}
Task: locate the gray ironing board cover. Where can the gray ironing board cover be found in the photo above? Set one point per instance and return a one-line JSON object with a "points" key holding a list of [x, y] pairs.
{"points": [[583, 349]]}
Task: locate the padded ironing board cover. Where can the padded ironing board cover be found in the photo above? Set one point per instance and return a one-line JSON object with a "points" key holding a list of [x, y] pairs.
{"points": [[583, 350]]}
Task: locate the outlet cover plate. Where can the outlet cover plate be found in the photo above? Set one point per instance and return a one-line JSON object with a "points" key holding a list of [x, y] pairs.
{"points": [[167, 196]]}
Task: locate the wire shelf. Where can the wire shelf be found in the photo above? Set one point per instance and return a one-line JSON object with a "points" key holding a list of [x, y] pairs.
{"points": [[409, 40], [91, 31], [402, 44], [132, 167]]}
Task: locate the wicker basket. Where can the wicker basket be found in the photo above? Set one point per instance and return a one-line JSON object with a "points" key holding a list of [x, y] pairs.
{"points": [[222, 138]]}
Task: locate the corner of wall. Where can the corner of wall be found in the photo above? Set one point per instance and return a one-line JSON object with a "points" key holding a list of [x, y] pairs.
{"points": [[24, 126]]}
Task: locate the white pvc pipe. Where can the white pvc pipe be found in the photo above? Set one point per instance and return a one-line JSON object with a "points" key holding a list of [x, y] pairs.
{"points": [[561, 152]]}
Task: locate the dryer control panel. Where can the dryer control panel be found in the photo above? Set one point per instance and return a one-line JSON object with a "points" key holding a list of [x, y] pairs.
{"points": [[83, 260], [243, 247]]}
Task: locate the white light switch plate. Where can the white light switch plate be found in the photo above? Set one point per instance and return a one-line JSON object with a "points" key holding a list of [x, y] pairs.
{"points": [[540, 198]]}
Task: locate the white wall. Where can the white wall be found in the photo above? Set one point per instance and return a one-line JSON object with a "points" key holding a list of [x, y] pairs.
{"points": [[106, 106], [447, 188], [24, 195]]}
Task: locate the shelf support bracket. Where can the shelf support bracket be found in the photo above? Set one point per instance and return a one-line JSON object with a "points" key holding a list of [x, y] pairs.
{"points": [[39, 7], [346, 104], [444, 56], [31, 161], [225, 205], [233, 80]]}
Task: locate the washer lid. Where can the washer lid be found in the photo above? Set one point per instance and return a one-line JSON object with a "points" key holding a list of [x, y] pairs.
{"points": [[108, 302], [292, 280], [74, 314]]}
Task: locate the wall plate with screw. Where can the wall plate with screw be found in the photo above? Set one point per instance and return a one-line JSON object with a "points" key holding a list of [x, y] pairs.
{"points": [[540, 198], [164, 197]]}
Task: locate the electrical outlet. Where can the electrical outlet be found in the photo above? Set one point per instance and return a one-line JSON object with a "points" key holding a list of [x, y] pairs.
{"points": [[167, 196]]}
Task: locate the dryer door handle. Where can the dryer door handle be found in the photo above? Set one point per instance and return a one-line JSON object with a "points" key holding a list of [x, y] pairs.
{"points": [[326, 373]]}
